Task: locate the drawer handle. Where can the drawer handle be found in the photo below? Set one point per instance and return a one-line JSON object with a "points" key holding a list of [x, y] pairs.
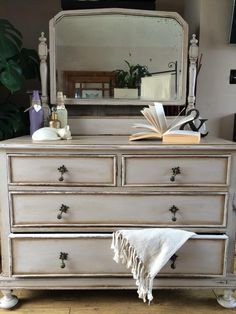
{"points": [[62, 170], [63, 257], [175, 172], [173, 260], [174, 210], [63, 209]]}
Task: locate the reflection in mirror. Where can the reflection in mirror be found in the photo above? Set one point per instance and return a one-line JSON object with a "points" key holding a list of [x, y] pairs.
{"points": [[92, 48]]}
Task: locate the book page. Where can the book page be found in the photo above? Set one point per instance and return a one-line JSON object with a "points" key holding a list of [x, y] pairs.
{"points": [[161, 116], [145, 126], [144, 135], [155, 118], [183, 133], [147, 112], [179, 122]]}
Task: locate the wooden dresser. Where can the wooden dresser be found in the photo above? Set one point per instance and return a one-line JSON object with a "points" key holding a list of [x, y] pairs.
{"points": [[61, 201]]}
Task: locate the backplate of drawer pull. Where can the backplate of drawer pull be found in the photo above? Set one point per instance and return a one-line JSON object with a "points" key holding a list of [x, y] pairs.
{"points": [[63, 258], [173, 260], [63, 209], [174, 210], [62, 170], [175, 172]]}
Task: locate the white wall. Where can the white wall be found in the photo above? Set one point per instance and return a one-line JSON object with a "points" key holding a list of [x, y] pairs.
{"points": [[192, 15], [171, 5], [216, 98]]}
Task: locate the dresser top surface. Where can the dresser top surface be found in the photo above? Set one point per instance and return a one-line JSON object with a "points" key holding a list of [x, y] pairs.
{"points": [[113, 143]]}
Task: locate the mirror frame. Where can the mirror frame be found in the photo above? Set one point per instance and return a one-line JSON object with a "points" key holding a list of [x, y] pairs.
{"points": [[110, 11]]}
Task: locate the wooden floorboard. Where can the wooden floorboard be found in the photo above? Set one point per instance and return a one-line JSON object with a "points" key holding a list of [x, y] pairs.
{"points": [[117, 302]]}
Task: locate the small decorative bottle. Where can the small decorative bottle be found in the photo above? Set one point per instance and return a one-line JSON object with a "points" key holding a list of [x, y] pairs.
{"points": [[61, 110], [35, 113], [54, 122]]}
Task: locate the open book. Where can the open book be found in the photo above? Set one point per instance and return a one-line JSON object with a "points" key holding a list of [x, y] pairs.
{"points": [[157, 127]]}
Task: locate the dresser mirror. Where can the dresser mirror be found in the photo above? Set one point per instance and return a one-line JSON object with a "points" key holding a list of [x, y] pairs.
{"points": [[87, 47]]}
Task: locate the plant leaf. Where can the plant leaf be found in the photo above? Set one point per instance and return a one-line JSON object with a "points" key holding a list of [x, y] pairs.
{"points": [[12, 121], [11, 76], [10, 40], [29, 62], [6, 128]]}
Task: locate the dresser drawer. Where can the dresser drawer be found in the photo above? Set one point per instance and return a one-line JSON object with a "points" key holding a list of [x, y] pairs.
{"points": [[202, 255], [117, 209], [91, 255], [168, 170], [81, 170]]}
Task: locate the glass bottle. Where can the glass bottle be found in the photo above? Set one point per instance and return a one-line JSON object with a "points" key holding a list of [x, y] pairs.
{"points": [[61, 110], [35, 113]]}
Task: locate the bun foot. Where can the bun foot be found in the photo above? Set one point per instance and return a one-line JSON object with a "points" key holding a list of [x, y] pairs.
{"points": [[227, 300], [8, 300]]}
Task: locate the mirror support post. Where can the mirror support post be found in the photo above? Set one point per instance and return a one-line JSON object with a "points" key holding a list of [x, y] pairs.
{"points": [[193, 56], [43, 53]]}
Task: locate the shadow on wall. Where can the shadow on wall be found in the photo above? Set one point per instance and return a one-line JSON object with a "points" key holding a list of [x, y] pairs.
{"points": [[226, 133], [171, 5]]}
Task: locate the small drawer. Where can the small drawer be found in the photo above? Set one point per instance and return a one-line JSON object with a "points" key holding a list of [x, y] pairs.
{"points": [[91, 255], [75, 170], [118, 209], [178, 170]]}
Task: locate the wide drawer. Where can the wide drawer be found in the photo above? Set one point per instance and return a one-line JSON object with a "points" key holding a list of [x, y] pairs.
{"points": [[81, 170], [117, 209], [90, 255], [156, 170]]}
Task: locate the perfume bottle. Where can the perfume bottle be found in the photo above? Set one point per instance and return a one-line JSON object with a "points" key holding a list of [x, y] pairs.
{"points": [[61, 110], [54, 122], [35, 113]]}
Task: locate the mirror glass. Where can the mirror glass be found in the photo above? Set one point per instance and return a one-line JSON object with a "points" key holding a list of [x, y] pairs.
{"points": [[110, 56]]}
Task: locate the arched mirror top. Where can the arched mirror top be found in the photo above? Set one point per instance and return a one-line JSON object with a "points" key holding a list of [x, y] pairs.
{"points": [[91, 52]]}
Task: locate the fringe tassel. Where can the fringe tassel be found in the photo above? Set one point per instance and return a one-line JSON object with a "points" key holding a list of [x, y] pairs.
{"points": [[124, 253]]}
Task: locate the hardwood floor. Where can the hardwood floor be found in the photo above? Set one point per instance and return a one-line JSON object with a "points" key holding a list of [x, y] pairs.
{"points": [[117, 302]]}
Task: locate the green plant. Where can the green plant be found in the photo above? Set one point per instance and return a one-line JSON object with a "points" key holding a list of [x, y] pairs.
{"points": [[131, 78], [16, 65]]}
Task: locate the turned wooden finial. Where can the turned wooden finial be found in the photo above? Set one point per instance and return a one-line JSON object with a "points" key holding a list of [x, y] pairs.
{"points": [[193, 49], [42, 49]]}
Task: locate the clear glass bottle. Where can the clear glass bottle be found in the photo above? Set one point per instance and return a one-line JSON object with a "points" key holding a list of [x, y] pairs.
{"points": [[61, 110], [36, 114]]}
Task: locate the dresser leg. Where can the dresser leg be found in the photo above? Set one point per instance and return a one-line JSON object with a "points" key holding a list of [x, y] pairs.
{"points": [[227, 300], [8, 300]]}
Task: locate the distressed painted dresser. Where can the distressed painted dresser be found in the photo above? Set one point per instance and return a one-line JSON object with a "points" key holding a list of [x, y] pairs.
{"points": [[61, 201]]}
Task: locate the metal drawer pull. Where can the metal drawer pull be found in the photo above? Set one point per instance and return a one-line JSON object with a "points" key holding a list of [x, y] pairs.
{"points": [[62, 170], [174, 210], [175, 172], [63, 209], [63, 257], [173, 259]]}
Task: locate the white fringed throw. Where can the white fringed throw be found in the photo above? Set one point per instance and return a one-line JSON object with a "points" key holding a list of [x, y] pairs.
{"points": [[146, 251]]}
